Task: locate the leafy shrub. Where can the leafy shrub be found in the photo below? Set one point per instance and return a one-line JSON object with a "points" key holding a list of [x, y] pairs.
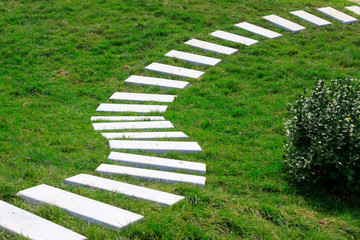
{"points": [[323, 135]]}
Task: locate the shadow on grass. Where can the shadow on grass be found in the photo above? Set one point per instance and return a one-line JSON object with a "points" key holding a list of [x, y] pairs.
{"points": [[344, 207], [326, 202]]}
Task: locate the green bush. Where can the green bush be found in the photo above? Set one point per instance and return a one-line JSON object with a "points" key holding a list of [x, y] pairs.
{"points": [[323, 136]]}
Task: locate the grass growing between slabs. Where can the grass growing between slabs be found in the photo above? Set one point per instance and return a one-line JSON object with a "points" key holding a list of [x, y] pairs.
{"points": [[60, 60]]}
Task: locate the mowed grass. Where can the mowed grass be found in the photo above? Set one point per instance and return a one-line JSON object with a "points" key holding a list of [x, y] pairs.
{"points": [[60, 59]]}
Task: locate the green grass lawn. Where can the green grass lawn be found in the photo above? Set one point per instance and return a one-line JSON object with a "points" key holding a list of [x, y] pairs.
{"points": [[60, 59]]}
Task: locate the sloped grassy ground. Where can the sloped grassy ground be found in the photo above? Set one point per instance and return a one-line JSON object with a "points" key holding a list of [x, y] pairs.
{"points": [[60, 59]]}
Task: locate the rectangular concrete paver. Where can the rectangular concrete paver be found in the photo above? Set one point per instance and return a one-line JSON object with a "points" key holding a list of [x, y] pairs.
{"points": [[145, 135], [337, 15], [193, 58], [166, 164], [82, 207], [16, 220], [158, 82], [211, 47], [132, 125], [152, 175], [173, 70], [310, 18], [127, 118], [135, 108], [156, 146], [258, 30], [284, 23], [142, 97], [126, 189], [354, 9], [233, 38]]}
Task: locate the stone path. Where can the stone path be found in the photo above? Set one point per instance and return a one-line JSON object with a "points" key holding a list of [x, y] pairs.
{"points": [[159, 82], [172, 70], [211, 47], [158, 147], [193, 58], [145, 135], [284, 23], [355, 9], [31, 226], [127, 118], [151, 175], [129, 190], [132, 125], [311, 18], [157, 162], [233, 38], [16, 220], [142, 97], [113, 107], [337, 15], [85, 208], [258, 30]]}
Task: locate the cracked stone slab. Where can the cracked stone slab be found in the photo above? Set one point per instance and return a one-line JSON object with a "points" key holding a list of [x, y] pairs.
{"points": [[127, 118], [152, 175], [79, 206], [233, 38], [142, 97], [18, 221], [258, 30], [126, 189], [173, 70], [354, 9], [166, 164], [284, 23], [193, 58], [145, 135], [337, 15], [132, 125], [135, 108], [211, 47], [159, 82], [310, 18], [156, 146]]}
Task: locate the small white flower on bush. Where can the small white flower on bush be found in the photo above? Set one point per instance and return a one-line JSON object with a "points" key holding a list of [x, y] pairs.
{"points": [[323, 135]]}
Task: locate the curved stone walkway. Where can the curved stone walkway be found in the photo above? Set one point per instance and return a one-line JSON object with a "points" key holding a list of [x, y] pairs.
{"points": [[26, 224]]}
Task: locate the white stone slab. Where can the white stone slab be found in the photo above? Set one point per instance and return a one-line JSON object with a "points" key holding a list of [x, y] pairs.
{"points": [[156, 146], [166, 164], [193, 58], [136, 108], [310, 18], [354, 9], [16, 220], [233, 38], [145, 135], [142, 97], [129, 190], [284, 23], [211, 47], [127, 118], [151, 175], [132, 125], [173, 70], [159, 82], [82, 207], [337, 15], [258, 30]]}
